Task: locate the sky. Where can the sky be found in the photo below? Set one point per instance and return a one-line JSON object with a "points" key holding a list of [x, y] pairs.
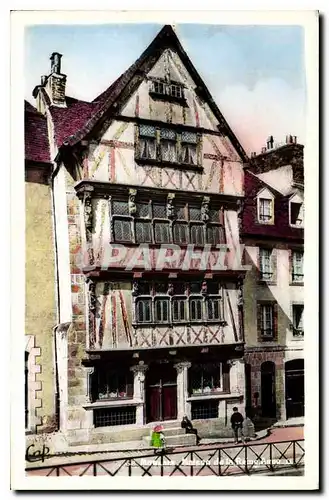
{"points": [[255, 73]]}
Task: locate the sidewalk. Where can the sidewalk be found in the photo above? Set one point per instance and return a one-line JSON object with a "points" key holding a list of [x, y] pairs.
{"points": [[134, 448], [292, 422]]}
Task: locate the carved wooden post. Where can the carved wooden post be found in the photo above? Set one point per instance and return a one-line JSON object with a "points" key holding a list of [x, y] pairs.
{"points": [[205, 209], [89, 222], [92, 312], [240, 303]]}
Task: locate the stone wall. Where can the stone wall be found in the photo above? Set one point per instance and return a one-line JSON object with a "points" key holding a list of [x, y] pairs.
{"points": [[40, 312]]}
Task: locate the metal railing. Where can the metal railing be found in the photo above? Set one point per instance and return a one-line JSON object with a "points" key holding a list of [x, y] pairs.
{"points": [[218, 461]]}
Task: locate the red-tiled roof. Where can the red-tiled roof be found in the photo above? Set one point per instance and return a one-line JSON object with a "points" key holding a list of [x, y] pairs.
{"points": [[251, 227], [74, 122], [36, 135]]}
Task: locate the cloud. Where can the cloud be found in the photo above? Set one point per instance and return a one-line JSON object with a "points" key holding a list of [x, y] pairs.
{"points": [[272, 107]]}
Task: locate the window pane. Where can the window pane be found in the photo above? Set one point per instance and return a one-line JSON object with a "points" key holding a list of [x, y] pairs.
{"points": [[213, 308], [267, 320], [190, 137], [143, 210], [196, 309], [214, 215], [195, 286], [147, 131], [215, 235], [266, 263], [143, 232], [194, 213], [180, 212], [110, 384], [296, 214], [161, 232], [161, 287], [197, 234], [176, 91], [179, 309], [189, 154], [161, 310], [298, 266], [159, 211], [168, 134], [143, 310], [168, 151], [122, 230], [120, 207], [265, 210], [159, 87], [147, 148], [180, 233]]}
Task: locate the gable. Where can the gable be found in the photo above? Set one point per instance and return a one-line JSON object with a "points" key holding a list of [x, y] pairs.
{"points": [[265, 193], [161, 54]]}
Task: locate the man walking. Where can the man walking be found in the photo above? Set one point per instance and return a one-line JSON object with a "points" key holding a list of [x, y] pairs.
{"points": [[237, 422]]}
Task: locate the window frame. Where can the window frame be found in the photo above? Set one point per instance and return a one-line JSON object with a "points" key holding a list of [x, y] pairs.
{"points": [[262, 196], [151, 220], [262, 329], [297, 331], [188, 299], [202, 368], [293, 273], [112, 374], [262, 270], [301, 209]]}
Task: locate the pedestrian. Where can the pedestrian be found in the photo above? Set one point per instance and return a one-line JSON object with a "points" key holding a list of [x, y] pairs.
{"points": [[189, 429], [158, 439], [237, 423]]}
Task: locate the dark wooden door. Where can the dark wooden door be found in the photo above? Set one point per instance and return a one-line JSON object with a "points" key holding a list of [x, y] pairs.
{"points": [[268, 389], [295, 388], [161, 393]]}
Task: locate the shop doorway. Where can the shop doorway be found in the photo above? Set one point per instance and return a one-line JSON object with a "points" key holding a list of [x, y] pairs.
{"points": [[161, 392]]}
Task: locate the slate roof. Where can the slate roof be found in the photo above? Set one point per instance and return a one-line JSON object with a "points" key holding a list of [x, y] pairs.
{"points": [[281, 228], [36, 135]]}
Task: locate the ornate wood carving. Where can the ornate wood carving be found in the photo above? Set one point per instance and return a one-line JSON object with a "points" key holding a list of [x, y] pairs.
{"points": [[132, 201], [170, 206], [205, 209]]}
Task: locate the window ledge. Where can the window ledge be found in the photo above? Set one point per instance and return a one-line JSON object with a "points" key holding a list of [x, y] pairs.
{"points": [[267, 282], [296, 283], [169, 98], [177, 323], [162, 163], [109, 404], [222, 395], [263, 223]]}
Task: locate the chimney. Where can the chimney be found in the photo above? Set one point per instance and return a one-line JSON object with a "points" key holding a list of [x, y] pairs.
{"points": [[253, 154], [264, 149], [270, 142], [291, 139], [56, 82]]}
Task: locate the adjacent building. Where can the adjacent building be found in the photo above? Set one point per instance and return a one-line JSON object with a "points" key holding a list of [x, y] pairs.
{"points": [[146, 181], [40, 291], [273, 234]]}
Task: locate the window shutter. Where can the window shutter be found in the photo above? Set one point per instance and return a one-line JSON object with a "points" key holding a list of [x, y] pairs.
{"points": [[290, 257], [259, 322], [258, 272], [274, 258], [226, 377], [275, 321]]}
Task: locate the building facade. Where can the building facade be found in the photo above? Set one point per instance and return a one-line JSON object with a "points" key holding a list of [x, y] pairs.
{"points": [[40, 295], [273, 234], [147, 183]]}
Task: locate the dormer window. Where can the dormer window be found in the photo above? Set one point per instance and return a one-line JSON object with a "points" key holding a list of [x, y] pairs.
{"points": [[296, 214], [176, 91], [265, 207]]}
